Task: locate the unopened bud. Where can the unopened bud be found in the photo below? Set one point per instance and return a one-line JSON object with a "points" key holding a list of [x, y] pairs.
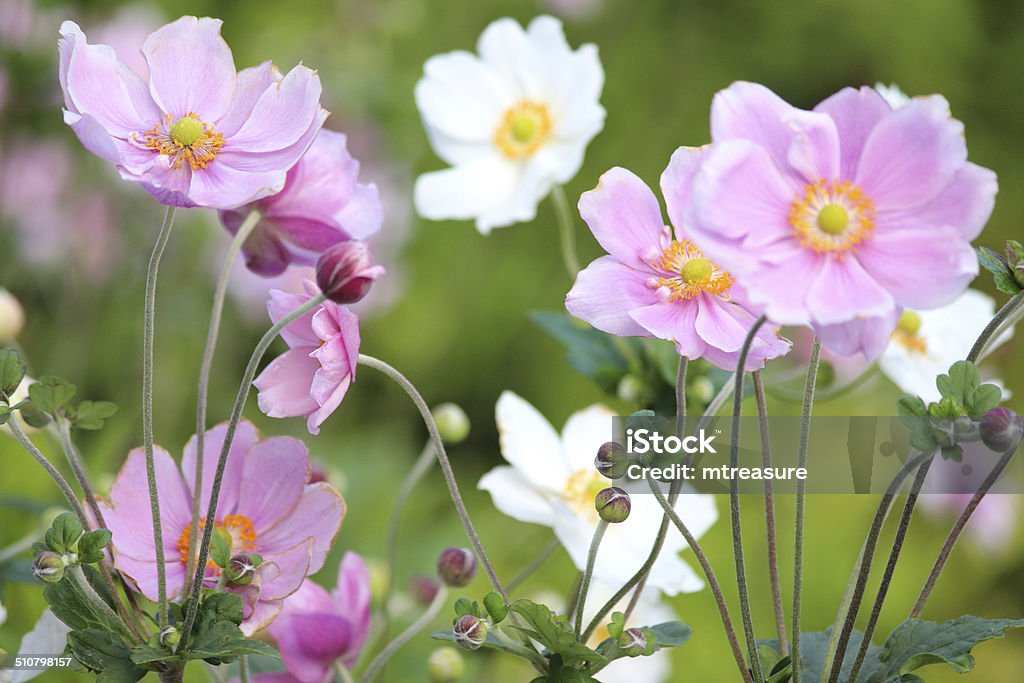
{"points": [[633, 642], [631, 388], [345, 272], [445, 665], [1002, 430], [611, 460], [452, 422], [424, 589], [613, 504], [170, 637], [49, 567], [12, 316], [470, 632], [241, 570], [456, 566]]}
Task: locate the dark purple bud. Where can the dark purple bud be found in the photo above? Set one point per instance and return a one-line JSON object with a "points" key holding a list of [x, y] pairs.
{"points": [[611, 460], [345, 272], [470, 632], [613, 505], [241, 570], [49, 567], [424, 588], [1002, 430], [456, 566], [633, 642]]}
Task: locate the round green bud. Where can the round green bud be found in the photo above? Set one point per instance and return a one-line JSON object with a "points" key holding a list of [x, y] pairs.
{"points": [[170, 637], [452, 422], [241, 570], [445, 665], [470, 632], [49, 567], [611, 460], [613, 505], [633, 642]]}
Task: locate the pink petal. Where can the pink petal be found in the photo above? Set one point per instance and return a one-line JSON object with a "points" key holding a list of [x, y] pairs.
{"points": [[246, 437], [717, 324], [282, 115], [263, 614], [285, 384], [300, 331], [605, 292], [191, 68], [752, 112], [142, 574], [251, 83], [318, 515], [285, 569], [677, 182], [855, 112], [675, 321], [222, 186], [912, 155], [275, 474], [312, 642], [781, 287], [868, 336], [624, 216], [922, 267], [843, 290], [352, 599], [814, 152], [965, 204], [328, 390]]}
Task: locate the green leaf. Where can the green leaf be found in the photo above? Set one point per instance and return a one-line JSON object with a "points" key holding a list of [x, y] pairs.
{"points": [[91, 414], [91, 545], [12, 371], [985, 398], [104, 653], [496, 607], [220, 548], [1002, 273], [617, 625], [465, 606], [960, 383], [813, 652], [555, 633], [216, 637], [63, 534], [911, 406], [51, 394], [69, 605], [671, 633], [591, 352], [33, 415]]}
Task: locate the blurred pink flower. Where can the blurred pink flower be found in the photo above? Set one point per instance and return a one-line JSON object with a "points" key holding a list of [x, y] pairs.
{"points": [[312, 377], [267, 506], [197, 133], [321, 204], [656, 282], [838, 217], [18, 18], [993, 523]]}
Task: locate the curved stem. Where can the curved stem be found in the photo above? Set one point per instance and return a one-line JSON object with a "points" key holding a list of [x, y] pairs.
{"points": [[1008, 323], [219, 294], [243, 669], [588, 573], [405, 636], [446, 467], [56, 476], [716, 588], [18, 547], [958, 528], [218, 478], [149, 319], [769, 516], [95, 602], [989, 332], [535, 564], [890, 567], [734, 504], [801, 502], [865, 565], [343, 673], [566, 230]]}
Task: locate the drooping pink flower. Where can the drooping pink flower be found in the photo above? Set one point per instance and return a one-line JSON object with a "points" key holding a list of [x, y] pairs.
{"points": [[312, 376], [321, 204], [267, 506], [840, 216], [316, 628], [197, 133], [656, 282]]}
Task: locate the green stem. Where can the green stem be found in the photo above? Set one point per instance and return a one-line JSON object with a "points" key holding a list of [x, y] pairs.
{"points": [[18, 547], [205, 367], [99, 607], [734, 504], [60, 481], [588, 574], [405, 636], [149, 319], [446, 467], [890, 567], [769, 516], [218, 478], [343, 673], [801, 502], [535, 564], [243, 669], [990, 330], [958, 527], [567, 231]]}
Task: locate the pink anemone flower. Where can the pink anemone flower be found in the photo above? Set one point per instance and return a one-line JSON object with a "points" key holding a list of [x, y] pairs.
{"points": [[196, 133], [267, 506], [840, 217], [321, 204], [655, 281]]}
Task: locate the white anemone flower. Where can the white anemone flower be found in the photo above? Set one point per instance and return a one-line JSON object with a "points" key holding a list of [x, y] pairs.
{"points": [[551, 480], [925, 344], [649, 611], [513, 121]]}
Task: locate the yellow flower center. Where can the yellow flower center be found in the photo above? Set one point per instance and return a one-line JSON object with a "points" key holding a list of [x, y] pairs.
{"points": [[580, 490], [239, 529], [689, 272], [523, 129], [906, 334], [186, 140], [832, 217]]}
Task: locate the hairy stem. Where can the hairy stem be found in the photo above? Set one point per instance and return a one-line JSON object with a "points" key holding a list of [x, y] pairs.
{"points": [[990, 330], [219, 294], [149, 319], [588, 574], [97, 604], [801, 503], [218, 478], [446, 467], [769, 516], [566, 230], [58, 479], [405, 636]]}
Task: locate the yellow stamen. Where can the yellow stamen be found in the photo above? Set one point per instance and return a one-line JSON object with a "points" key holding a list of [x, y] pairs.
{"points": [[832, 217], [906, 334], [239, 527], [523, 129], [189, 139], [581, 488], [696, 273]]}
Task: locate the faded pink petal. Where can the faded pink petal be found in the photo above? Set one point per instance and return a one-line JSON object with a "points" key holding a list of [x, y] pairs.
{"points": [[275, 473], [284, 385], [318, 515], [605, 292], [624, 216], [246, 437]]}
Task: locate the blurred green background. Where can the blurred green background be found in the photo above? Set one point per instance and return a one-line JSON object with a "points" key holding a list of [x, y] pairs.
{"points": [[74, 242]]}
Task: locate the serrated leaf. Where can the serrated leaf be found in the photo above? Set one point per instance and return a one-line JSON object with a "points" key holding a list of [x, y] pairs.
{"points": [[671, 633], [985, 398], [554, 632], [104, 653], [91, 414], [63, 533], [12, 371], [911, 406], [813, 652], [1002, 273], [51, 394], [91, 545], [466, 607]]}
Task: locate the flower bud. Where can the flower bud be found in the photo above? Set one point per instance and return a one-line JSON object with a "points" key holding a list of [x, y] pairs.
{"points": [[611, 460], [12, 316], [633, 642], [170, 637], [633, 389], [452, 422], [49, 567], [1002, 430], [445, 665], [470, 632], [613, 504], [345, 272], [456, 566], [241, 570], [424, 588]]}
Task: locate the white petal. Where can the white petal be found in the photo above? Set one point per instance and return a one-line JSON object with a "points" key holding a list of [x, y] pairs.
{"points": [[47, 637], [530, 444], [462, 97], [584, 432], [483, 189], [517, 497]]}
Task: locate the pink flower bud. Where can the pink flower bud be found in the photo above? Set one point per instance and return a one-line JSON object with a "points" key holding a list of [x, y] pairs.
{"points": [[1002, 430], [423, 588], [456, 566], [345, 272], [470, 632]]}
